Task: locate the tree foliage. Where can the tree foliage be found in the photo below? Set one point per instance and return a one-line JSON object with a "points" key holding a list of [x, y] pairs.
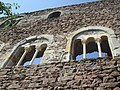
{"points": [[6, 10]]}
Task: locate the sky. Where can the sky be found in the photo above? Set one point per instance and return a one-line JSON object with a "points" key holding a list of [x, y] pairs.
{"points": [[35, 5]]}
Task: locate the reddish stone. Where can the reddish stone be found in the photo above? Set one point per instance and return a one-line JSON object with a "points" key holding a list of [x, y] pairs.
{"points": [[117, 88]]}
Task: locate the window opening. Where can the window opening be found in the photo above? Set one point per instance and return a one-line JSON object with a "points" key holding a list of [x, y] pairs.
{"points": [[105, 47], [28, 56], [77, 49], [54, 15], [40, 54], [91, 48], [16, 56]]}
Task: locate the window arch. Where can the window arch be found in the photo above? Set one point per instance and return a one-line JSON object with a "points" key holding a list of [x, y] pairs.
{"points": [[29, 51], [54, 15], [96, 36]]}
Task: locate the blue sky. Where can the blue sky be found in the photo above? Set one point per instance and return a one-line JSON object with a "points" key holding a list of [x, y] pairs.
{"points": [[34, 5]]}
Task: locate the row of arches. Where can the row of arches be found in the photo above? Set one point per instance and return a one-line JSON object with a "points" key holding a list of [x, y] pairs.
{"points": [[92, 42], [91, 48], [27, 55], [88, 42], [29, 51]]}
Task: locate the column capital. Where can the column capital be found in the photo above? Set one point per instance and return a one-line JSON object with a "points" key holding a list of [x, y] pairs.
{"points": [[27, 48], [83, 41], [38, 47], [98, 39]]}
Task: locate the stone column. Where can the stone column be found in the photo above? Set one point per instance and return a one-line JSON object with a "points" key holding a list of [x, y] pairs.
{"points": [[99, 47], [84, 48], [35, 54], [68, 57], [27, 49]]}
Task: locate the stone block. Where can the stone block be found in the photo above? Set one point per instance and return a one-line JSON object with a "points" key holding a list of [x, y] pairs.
{"points": [[78, 77], [67, 78], [3, 73], [109, 79], [31, 38], [14, 86], [96, 82], [107, 71], [116, 88], [59, 65], [118, 78], [86, 82], [100, 88], [110, 85], [89, 89], [115, 73]]}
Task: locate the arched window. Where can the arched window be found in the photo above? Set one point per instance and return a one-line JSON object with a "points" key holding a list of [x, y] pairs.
{"points": [[54, 15], [92, 42], [29, 51]]}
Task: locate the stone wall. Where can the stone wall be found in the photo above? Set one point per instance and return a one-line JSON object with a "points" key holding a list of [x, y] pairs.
{"points": [[100, 13], [92, 74]]}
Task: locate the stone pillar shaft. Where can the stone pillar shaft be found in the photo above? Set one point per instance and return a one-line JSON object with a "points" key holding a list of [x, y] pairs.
{"points": [[23, 56], [84, 50], [34, 56], [68, 57], [99, 48]]}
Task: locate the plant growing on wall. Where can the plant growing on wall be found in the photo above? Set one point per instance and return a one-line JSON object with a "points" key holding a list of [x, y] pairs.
{"points": [[9, 17]]}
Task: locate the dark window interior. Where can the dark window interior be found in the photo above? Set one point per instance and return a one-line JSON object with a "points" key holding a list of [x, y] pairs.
{"points": [[54, 15], [77, 48], [105, 46]]}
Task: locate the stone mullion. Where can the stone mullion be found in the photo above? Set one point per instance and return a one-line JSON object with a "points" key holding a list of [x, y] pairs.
{"points": [[23, 56], [99, 47], [84, 49], [35, 54]]}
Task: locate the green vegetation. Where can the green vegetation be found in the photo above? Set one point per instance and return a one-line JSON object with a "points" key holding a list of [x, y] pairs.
{"points": [[8, 19]]}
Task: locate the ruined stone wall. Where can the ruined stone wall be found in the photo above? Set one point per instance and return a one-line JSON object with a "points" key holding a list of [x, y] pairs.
{"points": [[100, 13], [92, 74]]}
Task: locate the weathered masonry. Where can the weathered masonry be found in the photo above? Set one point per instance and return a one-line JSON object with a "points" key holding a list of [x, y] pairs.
{"points": [[91, 39], [67, 48], [26, 51], [81, 42]]}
